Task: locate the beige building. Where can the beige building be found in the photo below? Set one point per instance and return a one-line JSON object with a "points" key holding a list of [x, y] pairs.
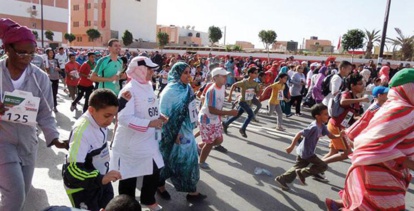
{"points": [[28, 13], [111, 18], [314, 44], [184, 35], [245, 44]]}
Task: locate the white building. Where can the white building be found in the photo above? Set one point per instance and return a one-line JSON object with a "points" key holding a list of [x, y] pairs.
{"points": [[28, 13]]}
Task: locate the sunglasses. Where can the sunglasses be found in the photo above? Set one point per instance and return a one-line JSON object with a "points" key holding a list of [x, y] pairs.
{"points": [[23, 55]]}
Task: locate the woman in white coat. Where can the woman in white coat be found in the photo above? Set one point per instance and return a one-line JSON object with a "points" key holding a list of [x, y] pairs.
{"points": [[135, 150]]}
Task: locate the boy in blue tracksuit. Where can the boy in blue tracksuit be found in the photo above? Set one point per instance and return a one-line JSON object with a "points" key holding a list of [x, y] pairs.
{"points": [[85, 173]]}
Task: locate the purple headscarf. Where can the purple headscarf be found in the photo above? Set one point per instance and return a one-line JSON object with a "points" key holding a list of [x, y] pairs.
{"points": [[11, 32]]}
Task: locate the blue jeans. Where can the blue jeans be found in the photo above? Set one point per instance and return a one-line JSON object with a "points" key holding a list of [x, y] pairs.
{"points": [[243, 107]]}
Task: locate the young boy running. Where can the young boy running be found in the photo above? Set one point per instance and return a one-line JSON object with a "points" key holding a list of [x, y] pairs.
{"points": [[275, 98], [249, 88], [306, 149], [85, 173], [210, 115]]}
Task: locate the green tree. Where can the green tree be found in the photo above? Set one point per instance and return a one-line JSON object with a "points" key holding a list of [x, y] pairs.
{"points": [[93, 34], [163, 39], [214, 34], [70, 37], [49, 35], [127, 39], [237, 48], [371, 37], [35, 34], [405, 42], [353, 39], [268, 38]]}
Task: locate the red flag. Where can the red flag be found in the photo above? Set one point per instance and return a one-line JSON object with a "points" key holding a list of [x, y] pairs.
{"points": [[339, 43]]}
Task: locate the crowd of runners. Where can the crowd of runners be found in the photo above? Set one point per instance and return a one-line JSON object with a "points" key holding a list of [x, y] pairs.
{"points": [[160, 103]]}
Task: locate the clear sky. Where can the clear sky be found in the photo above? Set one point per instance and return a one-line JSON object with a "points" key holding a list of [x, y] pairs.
{"points": [[290, 19]]}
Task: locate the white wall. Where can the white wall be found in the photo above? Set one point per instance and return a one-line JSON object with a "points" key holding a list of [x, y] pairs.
{"points": [[140, 18], [18, 8], [203, 35]]}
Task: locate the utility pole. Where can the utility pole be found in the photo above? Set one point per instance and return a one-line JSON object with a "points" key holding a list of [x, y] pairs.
{"points": [[224, 35], [41, 22], [384, 32]]}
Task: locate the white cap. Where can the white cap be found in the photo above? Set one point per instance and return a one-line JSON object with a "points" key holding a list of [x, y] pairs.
{"points": [[219, 71], [142, 60]]}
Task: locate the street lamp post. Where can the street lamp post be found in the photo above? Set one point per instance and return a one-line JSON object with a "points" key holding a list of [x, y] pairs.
{"points": [[41, 22], [384, 31]]}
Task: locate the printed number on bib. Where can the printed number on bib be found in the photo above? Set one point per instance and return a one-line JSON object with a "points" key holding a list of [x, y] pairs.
{"points": [[23, 107], [101, 161], [192, 108], [249, 94], [153, 111]]}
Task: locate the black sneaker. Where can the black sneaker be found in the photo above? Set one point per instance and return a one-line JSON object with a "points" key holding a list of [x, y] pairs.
{"points": [[220, 149], [301, 177], [243, 133], [196, 198], [282, 183], [224, 127], [164, 195]]}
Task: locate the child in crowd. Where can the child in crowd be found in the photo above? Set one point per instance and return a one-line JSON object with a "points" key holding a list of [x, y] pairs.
{"points": [[210, 115], [249, 88], [306, 149], [85, 173], [380, 96], [275, 97], [72, 76]]}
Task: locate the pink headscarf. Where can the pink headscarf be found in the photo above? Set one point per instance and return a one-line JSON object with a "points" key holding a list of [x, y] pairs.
{"points": [[384, 74], [138, 73], [11, 32]]}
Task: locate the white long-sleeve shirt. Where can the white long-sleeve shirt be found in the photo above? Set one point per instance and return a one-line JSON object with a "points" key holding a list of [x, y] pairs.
{"points": [[135, 144]]}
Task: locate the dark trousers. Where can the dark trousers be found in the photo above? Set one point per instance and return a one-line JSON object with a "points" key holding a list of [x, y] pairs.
{"points": [[81, 92], [149, 186], [55, 86], [161, 87], [258, 105], [298, 101], [243, 107], [94, 199], [318, 166]]}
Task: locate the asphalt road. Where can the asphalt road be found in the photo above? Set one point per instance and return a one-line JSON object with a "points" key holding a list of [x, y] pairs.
{"points": [[230, 185]]}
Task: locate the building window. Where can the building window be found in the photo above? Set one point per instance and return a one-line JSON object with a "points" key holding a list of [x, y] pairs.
{"points": [[76, 7], [76, 24], [78, 39], [89, 5], [198, 34], [90, 40], [89, 23]]}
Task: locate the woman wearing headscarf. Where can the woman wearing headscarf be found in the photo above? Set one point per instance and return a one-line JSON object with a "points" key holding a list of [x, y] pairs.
{"points": [[18, 139], [379, 176], [135, 150], [178, 146], [317, 88]]}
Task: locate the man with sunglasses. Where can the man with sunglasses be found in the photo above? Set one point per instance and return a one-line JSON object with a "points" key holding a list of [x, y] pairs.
{"points": [[108, 69]]}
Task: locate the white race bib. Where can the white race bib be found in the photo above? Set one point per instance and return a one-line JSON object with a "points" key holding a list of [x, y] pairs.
{"points": [[280, 95], [249, 94], [348, 118], [193, 112], [101, 161], [23, 107]]}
